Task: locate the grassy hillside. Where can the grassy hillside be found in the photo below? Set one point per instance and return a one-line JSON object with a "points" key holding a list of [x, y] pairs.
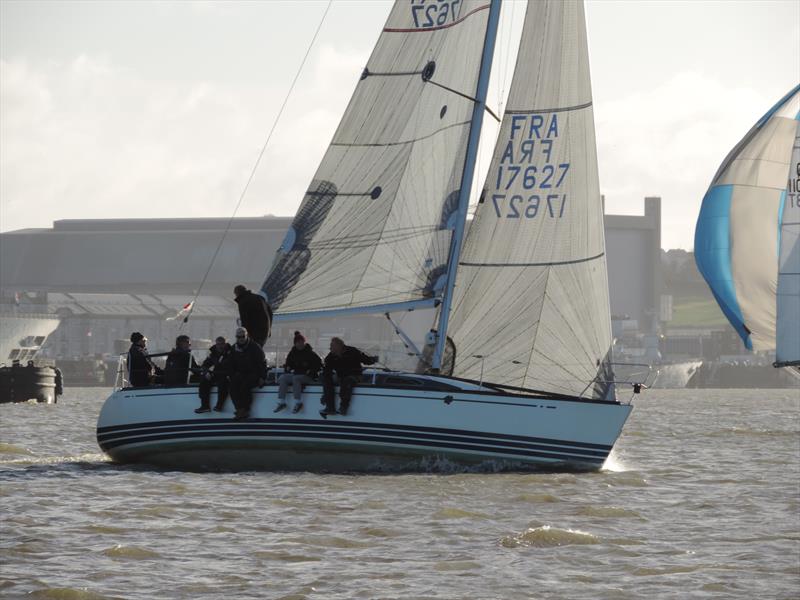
{"points": [[696, 311]]}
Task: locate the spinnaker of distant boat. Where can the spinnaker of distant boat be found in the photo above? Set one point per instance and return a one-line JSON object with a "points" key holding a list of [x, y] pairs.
{"points": [[746, 241]]}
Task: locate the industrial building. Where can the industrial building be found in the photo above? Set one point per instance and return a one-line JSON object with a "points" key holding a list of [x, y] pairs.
{"points": [[108, 277]]}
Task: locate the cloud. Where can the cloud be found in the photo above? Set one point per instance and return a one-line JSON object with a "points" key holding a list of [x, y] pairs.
{"points": [[89, 139]]}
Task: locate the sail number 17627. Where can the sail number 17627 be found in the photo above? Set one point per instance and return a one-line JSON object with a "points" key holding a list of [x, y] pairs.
{"points": [[434, 13], [521, 207]]}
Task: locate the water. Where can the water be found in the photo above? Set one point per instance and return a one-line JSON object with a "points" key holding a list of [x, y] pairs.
{"points": [[700, 499]]}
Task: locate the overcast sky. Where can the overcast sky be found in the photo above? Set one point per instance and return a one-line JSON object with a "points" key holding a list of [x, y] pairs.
{"points": [[159, 109]]}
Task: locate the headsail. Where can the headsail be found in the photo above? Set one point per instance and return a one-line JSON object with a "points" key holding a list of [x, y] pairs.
{"points": [[375, 226], [531, 306], [739, 233]]}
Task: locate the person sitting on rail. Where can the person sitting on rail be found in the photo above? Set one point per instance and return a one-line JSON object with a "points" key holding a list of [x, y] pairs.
{"points": [[141, 369], [215, 371], [180, 362], [302, 367], [248, 369], [346, 362]]}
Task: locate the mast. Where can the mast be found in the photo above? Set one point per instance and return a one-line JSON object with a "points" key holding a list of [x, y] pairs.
{"points": [[466, 178]]}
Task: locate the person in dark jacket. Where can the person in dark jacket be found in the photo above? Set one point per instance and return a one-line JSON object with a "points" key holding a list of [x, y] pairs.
{"points": [[215, 371], [255, 314], [180, 362], [248, 369], [141, 370], [302, 366], [345, 362]]}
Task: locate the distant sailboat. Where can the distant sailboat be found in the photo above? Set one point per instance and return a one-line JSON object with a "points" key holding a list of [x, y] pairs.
{"points": [[746, 241], [380, 230]]}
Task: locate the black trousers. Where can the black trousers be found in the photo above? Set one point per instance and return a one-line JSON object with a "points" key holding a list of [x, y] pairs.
{"points": [[346, 385], [241, 389], [205, 391]]}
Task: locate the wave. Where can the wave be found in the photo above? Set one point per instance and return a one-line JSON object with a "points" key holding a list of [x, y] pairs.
{"points": [[132, 552], [67, 594], [609, 512], [12, 449], [457, 513], [548, 537]]}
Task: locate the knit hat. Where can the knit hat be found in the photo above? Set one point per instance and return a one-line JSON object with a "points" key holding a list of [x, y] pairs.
{"points": [[298, 337]]}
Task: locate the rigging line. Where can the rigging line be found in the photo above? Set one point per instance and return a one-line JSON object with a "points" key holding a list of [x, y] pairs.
{"points": [[258, 161], [485, 106]]}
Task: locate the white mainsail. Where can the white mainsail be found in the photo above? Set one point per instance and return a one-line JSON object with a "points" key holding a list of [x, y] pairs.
{"points": [[787, 346], [531, 307], [375, 226]]}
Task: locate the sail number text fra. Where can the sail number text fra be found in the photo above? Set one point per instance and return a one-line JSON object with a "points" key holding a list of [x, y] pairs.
{"points": [[531, 141], [434, 13]]}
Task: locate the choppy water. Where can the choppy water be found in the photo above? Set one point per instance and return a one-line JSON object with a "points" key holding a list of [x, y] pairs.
{"points": [[701, 499]]}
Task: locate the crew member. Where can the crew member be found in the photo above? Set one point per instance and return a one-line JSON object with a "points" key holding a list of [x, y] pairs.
{"points": [[255, 314], [141, 370], [248, 369], [180, 362], [302, 366], [346, 362], [215, 371]]}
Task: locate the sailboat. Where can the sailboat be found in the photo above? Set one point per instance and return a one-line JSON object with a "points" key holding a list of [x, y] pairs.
{"points": [[746, 240], [518, 372]]}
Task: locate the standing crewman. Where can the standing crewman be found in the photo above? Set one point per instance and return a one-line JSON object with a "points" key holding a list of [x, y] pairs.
{"points": [[248, 369], [141, 370], [255, 314]]}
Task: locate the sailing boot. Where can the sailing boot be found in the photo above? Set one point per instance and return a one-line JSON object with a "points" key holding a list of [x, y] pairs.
{"points": [[329, 408]]}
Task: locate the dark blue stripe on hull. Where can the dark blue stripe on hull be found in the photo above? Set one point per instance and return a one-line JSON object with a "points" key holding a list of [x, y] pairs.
{"points": [[556, 454], [115, 439], [107, 433]]}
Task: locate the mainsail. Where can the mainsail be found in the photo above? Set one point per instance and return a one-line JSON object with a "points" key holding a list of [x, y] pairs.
{"points": [[531, 307], [374, 229], [748, 225]]}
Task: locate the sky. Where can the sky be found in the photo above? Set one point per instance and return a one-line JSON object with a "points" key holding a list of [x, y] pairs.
{"points": [[160, 109]]}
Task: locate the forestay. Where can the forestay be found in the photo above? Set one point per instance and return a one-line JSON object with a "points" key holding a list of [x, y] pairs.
{"points": [[532, 292], [739, 233], [787, 348], [374, 228]]}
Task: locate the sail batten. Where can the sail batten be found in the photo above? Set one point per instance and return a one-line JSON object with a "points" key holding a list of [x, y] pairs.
{"points": [[531, 307]]}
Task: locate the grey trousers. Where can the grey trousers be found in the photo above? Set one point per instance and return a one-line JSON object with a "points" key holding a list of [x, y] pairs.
{"points": [[296, 381]]}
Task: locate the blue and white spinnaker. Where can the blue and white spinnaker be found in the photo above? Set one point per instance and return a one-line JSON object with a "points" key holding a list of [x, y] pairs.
{"points": [[746, 241]]}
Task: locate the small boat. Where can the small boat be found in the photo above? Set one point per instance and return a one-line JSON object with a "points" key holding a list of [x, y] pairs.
{"points": [[22, 335], [518, 372], [746, 240]]}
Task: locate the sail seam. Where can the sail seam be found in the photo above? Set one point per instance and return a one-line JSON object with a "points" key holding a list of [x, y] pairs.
{"points": [[539, 264], [424, 29], [411, 141], [549, 110]]}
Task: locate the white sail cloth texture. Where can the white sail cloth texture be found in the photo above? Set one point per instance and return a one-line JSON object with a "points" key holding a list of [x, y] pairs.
{"points": [[739, 230], [375, 225], [787, 345], [531, 307]]}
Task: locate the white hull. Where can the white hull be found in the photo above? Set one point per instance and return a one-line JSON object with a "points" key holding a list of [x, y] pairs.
{"points": [[387, 428]]}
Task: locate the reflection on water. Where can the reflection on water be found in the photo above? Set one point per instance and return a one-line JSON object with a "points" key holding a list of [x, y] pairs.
{"points": [[700, 498]]}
